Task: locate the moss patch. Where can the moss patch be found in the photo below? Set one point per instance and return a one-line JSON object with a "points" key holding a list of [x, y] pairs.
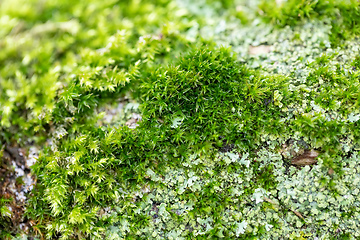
{"points": [[222, 108]]}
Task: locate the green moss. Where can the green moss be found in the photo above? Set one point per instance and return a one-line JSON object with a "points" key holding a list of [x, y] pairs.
{"points": [[5, 218], [356, 63], [344, 15], [66, 61], [126, 154], [209, 96], [207, 159], [203, 103], [293, 12]]}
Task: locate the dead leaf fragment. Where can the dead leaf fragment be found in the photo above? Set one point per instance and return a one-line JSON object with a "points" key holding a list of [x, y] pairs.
{"points": [[133, 122], [297, 214], [307, 158]]}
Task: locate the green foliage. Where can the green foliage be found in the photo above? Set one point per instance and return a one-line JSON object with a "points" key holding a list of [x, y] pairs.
{"points": [[64, 60], [356, 63], [5, 218], [78, 185], [224, 4], [203, 103], [83, 175], [344, 15], [291, 12], [207, 159], [209, 96]]}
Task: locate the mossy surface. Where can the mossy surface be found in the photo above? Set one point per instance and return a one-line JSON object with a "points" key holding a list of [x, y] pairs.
{"points": [[208, 111], [344, 16]]}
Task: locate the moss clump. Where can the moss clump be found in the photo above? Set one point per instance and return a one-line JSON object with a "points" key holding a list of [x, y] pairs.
{"points": [[344, 15], [204, 103], [208, 96], [83, 177], [183, 113], [71, 55]]}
